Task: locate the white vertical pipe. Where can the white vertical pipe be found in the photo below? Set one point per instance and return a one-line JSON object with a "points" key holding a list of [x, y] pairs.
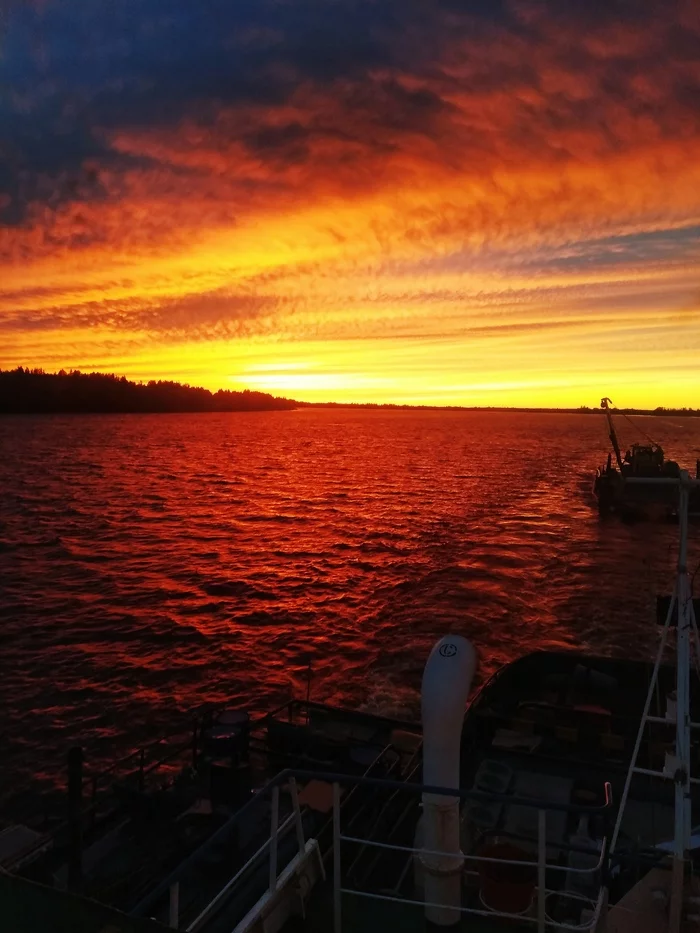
{"points": [[273, 837], [174, 905], [337, 920], [447, 680]]}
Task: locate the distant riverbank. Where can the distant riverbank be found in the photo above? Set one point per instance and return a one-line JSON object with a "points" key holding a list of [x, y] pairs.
{"points": [[32, 391], [582, 410]]}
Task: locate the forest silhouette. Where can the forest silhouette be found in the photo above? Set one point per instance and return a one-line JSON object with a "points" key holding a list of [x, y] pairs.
{"points": [[32, 391]]}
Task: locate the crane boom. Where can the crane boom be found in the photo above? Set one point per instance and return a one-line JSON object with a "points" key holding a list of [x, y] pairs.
{"points": [[605, 405]]}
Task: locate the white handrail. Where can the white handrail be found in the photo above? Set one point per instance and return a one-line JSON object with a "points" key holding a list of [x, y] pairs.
{"points": [[213, 905], [541, 920], [521, 918], [274, 829], [483, 858]]}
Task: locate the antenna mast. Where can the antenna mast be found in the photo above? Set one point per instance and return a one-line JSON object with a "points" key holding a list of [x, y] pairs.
{"points": [[676, 766]]}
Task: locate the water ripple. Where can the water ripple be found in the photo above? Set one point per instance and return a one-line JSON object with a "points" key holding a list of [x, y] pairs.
{"points": [[151, 563]]}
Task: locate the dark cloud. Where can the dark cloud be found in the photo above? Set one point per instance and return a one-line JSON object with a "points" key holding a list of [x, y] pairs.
{"points": [[135, 61], [370, 73], [70, 71], [75, 72]]}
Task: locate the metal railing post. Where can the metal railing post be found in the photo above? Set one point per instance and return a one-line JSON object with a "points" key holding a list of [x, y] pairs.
{"points": [[174, 905], [297, 815], [541, 867], [93, 801], [273, 837], [337, 921], [683, 820]]}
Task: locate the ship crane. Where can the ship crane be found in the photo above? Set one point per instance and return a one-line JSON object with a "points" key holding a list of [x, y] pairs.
{"points": [[605, 404]]}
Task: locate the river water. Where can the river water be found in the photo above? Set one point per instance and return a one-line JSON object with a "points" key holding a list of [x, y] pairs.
{"points": [[149, 564]]}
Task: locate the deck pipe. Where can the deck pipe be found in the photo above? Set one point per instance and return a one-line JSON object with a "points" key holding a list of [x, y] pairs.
{"points": [[447, 680]]}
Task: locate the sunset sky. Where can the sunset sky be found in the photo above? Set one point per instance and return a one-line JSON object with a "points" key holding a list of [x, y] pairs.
{"points": [[430, 201]]}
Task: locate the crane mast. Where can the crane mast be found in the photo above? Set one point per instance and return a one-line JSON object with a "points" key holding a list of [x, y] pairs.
{"points": [[605, 405]]}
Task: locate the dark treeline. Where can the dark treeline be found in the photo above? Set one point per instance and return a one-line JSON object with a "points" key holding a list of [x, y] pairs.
{"points": [[32, 391]]}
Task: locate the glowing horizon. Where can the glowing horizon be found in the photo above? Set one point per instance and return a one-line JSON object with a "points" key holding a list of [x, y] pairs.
{"points": [[480, 204]]}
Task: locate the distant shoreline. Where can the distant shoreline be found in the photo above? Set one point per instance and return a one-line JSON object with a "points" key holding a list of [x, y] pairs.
{"points": [[340, 406], [25, 391], [656, 412]]}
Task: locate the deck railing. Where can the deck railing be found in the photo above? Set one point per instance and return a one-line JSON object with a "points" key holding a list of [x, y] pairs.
{"points": [[168, 889], [155, 763], [593, 905], [180, 886]]}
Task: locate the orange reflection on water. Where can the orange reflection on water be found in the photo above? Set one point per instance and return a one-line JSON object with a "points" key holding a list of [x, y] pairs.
{"points": [[153, 563]]}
